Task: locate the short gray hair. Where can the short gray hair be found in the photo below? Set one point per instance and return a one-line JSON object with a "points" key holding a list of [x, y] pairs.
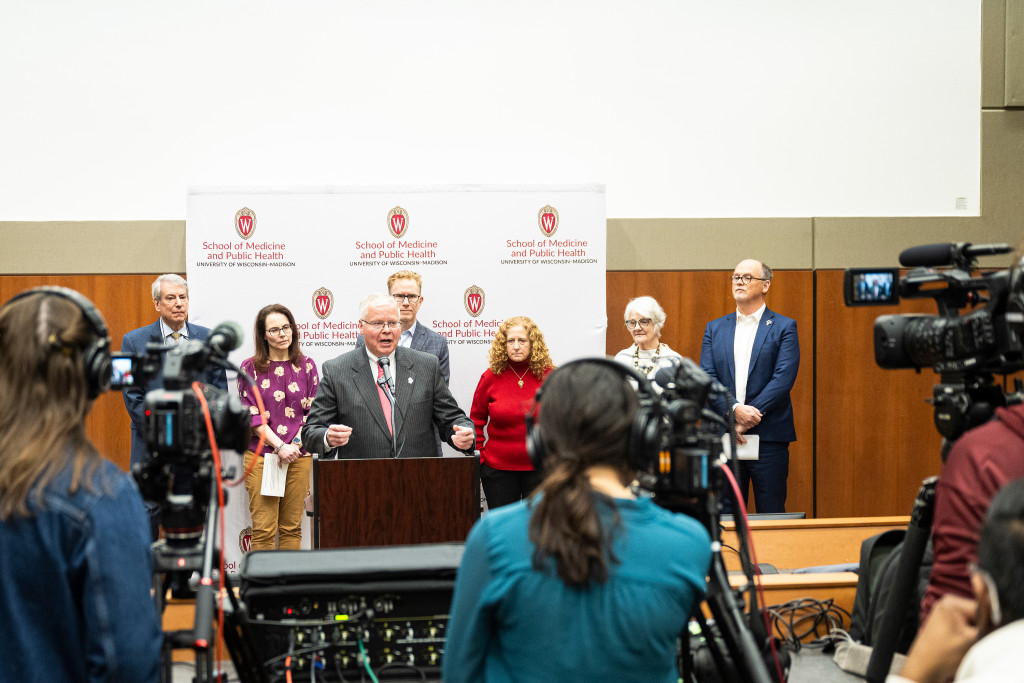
{"points": [[376, 299], [647, 307], [169, 278]]}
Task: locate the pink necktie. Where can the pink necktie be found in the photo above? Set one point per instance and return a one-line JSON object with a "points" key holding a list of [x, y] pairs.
{"points": [[384, 402]]}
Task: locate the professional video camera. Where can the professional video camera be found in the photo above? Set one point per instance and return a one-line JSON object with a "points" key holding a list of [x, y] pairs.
{"points": [[179, 473], [685, 468], [965, 349], [685, 471]]}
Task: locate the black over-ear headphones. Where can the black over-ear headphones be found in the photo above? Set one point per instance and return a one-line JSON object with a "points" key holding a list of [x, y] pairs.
{"points": [[645, 436], [96, 355]]}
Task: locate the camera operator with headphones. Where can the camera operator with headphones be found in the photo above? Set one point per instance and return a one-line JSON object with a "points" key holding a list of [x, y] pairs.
{"points": [[75, 564], [582, 581]]}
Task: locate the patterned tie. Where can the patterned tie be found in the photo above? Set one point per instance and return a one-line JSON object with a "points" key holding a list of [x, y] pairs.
{"points": [[176, 336], [384, 402]]}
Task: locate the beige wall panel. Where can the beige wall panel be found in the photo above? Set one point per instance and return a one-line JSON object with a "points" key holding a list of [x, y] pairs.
{"points": [[1014, 53], [708, 243], [876, 242], [62, 247], [1002, 172], [993, 53]]}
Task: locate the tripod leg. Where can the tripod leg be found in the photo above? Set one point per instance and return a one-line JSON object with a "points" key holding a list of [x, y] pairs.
{"points": [[726, 670], [903, 586]]}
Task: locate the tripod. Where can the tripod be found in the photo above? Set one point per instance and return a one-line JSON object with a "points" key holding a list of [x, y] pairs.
{"points": [[171, 561], [903, 592], [744, 661]]}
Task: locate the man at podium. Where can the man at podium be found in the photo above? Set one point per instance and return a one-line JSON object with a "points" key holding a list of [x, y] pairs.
{"points": [[382, 400]]}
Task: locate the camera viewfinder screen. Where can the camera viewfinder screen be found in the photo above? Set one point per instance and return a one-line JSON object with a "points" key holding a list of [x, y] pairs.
{"points": [[871, 287], [121, 372], [875, 287]]}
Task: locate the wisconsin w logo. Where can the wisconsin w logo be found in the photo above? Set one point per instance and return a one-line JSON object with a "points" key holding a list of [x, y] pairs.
{"points": [[473, 300], [323, 302], [547, 219], [398, 222], [245, 222]]}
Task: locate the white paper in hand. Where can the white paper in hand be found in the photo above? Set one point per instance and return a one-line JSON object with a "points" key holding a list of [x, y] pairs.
{"points": [[273, 476], [746, 451]]}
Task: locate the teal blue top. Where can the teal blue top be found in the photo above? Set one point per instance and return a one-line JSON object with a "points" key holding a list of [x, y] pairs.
{"points": [[512, 623]]}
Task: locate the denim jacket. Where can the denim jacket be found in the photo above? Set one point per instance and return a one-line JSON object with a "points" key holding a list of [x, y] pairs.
{"points": [[75, 577]]}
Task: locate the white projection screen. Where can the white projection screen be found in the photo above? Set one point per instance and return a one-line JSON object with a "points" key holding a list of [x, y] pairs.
{"points": [[680, 108]]}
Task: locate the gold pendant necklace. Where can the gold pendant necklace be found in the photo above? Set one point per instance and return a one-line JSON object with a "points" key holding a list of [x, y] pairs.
{"points": [[518, 375], [636, 360]]}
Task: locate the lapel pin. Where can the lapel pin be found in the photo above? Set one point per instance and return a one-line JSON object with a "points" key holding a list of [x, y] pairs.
{"points": [[410, 380], [768, 323]]}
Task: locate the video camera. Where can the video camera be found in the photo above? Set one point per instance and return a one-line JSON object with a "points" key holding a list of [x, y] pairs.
{"points": [[684, 468], [689, 443], [179, 472], [965, 349]]}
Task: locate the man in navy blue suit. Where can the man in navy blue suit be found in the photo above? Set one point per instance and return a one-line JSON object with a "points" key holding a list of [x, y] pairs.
{"points": [[755, 354], [170, 297]]}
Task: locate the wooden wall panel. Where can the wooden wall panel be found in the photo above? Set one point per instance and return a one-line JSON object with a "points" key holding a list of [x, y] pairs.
{"points": [[876, 436], [126, 303], [690, 300]]}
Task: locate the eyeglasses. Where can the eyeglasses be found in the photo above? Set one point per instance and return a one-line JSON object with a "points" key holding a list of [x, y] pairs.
{"points": [[383, 325], [746, 278], [642, 322], [284, 329], [411, 298]]}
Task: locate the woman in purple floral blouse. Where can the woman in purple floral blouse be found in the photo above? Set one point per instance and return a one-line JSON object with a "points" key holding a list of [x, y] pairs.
{"points": [[287, 381]]}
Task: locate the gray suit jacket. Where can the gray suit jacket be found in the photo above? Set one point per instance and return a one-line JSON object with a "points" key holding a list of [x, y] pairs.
{"points": [[428, 341], [348, 395]]}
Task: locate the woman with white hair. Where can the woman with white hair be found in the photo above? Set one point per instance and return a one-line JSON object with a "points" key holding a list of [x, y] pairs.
{"points": [[644, 320]]}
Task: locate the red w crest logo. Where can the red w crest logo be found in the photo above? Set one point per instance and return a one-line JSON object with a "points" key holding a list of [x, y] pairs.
{"points": [[547, 220], [398, 222], [473, 300], [323, 302], [245, 225], [245, 222]]}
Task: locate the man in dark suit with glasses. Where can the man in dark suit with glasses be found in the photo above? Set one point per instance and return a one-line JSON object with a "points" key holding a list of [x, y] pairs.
{"points": [[754, 352]]}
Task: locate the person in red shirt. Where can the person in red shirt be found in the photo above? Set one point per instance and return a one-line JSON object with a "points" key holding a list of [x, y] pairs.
{"points": [[519, 363], [979, 464]]}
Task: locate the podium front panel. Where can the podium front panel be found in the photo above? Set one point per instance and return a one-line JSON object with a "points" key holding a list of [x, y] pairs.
{"points": [[400, 501]]}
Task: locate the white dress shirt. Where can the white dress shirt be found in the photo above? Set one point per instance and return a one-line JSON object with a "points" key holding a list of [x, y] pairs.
{"points": [[743, 346], [406, 337]]}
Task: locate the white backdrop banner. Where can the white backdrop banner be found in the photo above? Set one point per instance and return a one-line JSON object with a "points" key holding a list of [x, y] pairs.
{"points": [[485, 253]]}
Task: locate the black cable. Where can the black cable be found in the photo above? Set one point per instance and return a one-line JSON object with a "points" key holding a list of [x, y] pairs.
{"points": [[798, 619], [399, 665], [300, 651]]}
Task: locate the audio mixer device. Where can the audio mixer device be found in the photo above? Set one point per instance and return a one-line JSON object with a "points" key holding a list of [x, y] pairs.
{"points": [[349, 612]]}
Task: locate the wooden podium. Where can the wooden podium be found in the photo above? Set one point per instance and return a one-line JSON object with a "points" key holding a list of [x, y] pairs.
{"points": [[393, 501]]}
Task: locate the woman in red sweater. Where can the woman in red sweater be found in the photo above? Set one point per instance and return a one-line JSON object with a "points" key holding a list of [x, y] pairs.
{"points": [[519, 363]]}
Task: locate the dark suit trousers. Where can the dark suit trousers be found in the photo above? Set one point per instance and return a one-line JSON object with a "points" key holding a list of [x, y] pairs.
{"points": [[768, 474]]}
